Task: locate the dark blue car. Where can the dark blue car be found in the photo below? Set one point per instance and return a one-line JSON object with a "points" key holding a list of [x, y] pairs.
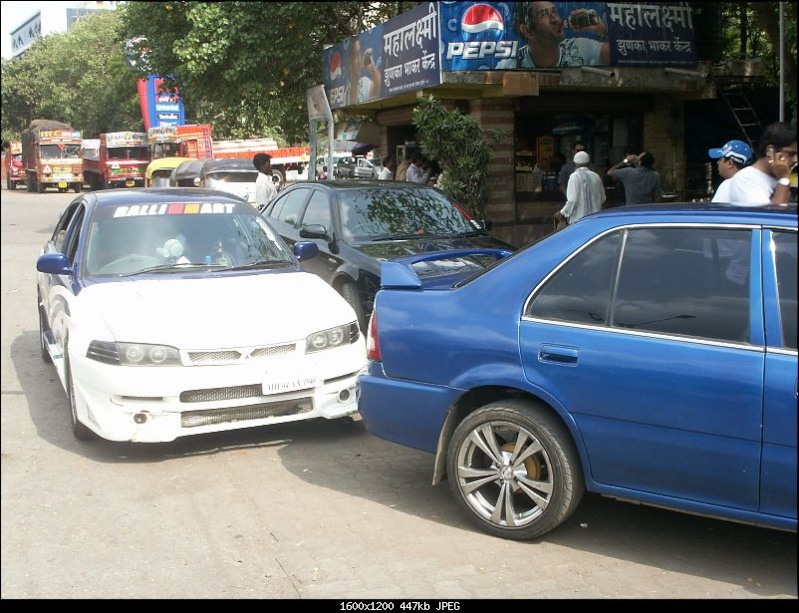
{"points": [[359, 225], [647, 354]]}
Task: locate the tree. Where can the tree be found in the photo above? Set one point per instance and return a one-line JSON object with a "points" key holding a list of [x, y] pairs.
{"points": [[79, 77], [245, 66], [463, 150]]}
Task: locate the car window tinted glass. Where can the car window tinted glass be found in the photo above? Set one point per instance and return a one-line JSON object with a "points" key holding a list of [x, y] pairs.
{"points": [[122, 241], [580, 291], [685, 281], [318, 211], [680, 281], [289, 208], [785, 253], [371, 213]]}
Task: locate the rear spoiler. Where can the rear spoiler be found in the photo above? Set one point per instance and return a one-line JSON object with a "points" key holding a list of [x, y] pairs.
{"points": [[399, 273]]}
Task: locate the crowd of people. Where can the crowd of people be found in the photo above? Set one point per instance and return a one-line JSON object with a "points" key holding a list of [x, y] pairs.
{"points": [[749, 178]]}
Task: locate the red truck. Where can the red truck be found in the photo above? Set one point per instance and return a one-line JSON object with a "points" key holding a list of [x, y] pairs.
{"points": [[190, 141], [51, 154], [13, 168], [120, 161]]}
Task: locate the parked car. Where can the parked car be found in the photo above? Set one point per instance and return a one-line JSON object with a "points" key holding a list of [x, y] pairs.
{"points": [[233, 175], [358, 225], [647, 354], [143, 301], [366, 169], [345, 169]]}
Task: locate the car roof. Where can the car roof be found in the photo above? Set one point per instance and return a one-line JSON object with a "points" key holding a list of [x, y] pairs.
{"points": [[235, 164], [700, 212], [160, 195], [360, 184]]}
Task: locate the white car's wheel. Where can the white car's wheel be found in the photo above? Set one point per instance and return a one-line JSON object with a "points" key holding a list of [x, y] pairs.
{"points": [[81, 432]]}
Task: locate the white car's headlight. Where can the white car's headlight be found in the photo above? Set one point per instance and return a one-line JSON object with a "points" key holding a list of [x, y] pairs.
{"points": [[133, 354], [334, 337]]}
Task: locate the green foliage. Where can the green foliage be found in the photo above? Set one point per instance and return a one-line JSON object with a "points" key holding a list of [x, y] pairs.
{"points": [[461, 148], [79, 77], [245, 67]]}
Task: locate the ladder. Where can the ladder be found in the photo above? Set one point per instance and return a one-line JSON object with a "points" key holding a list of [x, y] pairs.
{"points": [[737, 101]]}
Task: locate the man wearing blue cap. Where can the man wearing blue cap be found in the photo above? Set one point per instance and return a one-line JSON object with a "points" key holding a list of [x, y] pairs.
{"points": [[733, 156]]}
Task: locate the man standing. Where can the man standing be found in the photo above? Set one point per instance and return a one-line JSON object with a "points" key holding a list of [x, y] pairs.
{"points": [[732, 157], [767, 180], [265, 189], [539, 24], [417, 173], [641, 182], [585, 193], [402, 169], [568, 168], [387, 172]]}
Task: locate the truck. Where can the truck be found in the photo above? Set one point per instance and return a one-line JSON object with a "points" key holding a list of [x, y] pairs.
{"points": [[13, 168], [51, 155], [194, 141], [190, 140], [120, 161], [288, 163]]}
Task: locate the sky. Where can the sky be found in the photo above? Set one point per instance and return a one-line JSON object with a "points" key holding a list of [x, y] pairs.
{"points": [[13, 14]]}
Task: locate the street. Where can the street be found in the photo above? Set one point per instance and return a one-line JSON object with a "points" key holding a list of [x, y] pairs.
{"points": [[312, 510]]}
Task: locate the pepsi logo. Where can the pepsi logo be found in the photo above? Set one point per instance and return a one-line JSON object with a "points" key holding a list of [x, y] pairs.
{"points": [[335, 66], [481, 17]]}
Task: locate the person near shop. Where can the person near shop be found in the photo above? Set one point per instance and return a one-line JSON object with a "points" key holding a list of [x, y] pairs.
{"points": [[640, 180], [402, 168], [767, 180], [568, 168], [541, 27], [419, 170], [732, 157], [585, 193], [265, 189], [387, 172]]}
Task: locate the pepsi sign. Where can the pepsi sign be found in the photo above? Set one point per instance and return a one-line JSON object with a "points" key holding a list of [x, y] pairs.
{"points": [[477, 35]]}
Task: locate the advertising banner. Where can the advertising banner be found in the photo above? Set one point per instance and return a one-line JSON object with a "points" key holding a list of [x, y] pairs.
{"points": [[544, 35], [398, 56]]}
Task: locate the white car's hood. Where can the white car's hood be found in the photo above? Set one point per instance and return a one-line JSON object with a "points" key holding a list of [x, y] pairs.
{"points": [[217, 310]]}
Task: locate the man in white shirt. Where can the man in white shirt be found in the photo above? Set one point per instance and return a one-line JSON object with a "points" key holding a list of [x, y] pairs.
{"points": [[387, 172], [416, 174], [265, 189], [732, 157], [767, 180], [585, 193]]}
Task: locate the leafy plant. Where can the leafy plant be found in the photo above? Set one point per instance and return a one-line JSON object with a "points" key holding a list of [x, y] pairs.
{"points": [[462, 149]]}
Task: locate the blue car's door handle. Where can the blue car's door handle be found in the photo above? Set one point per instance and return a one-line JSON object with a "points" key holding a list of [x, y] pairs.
{"points": [[557, 354]]}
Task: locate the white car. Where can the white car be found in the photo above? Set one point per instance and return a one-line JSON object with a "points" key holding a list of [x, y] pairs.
{"points": [[173, 312]]}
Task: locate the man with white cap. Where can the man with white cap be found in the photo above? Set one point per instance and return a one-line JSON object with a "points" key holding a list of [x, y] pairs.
{"points": [[733, 156], [585, 192]]}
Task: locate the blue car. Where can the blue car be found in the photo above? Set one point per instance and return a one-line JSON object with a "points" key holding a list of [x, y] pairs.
{"points": [[647, 354]]}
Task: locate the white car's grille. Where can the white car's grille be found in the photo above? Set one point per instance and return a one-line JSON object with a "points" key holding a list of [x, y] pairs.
{"points": [[195, 419], [230, 356], [222, 393]]}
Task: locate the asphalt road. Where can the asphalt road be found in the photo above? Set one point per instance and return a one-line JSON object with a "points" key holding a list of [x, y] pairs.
{"points": [[320, 510]]}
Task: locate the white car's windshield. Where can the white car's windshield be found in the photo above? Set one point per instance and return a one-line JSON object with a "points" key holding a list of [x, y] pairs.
{"points": [[128, 239]]}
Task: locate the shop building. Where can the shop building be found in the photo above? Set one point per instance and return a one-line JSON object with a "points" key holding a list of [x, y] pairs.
{"points": [[629, 85]]}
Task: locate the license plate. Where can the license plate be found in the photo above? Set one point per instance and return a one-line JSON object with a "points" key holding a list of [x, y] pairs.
{"points": [[130, 183], [283, 380], [62, 185]]}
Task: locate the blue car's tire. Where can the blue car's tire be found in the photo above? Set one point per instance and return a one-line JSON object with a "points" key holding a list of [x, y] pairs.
{"points": [[513, 467]]}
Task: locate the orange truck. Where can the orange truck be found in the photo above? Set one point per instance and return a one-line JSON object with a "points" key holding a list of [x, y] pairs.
{"points": [[288, 163], [120, 161], [13, 168], [190, 140], [51, 155]]}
